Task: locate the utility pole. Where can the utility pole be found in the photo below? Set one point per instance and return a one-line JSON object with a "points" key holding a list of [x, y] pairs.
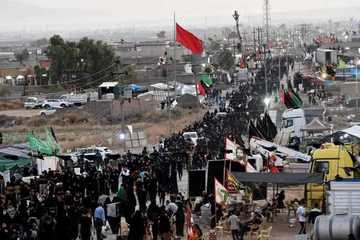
{"points": [[254, 39], [267, 20], [267, 35], [236, 17]]}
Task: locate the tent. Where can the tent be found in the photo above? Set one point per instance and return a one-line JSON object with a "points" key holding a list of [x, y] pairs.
{"points": [[316, 126], [186, 89], [20, 77], [8, 164], [353, 131], [135, 88], [161, 86], [279, 178]]}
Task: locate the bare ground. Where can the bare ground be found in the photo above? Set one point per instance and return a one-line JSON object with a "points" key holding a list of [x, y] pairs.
{"points": [[77, 129]]}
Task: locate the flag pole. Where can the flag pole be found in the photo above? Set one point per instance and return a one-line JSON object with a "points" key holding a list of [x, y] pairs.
{"points": [[174, 59]]}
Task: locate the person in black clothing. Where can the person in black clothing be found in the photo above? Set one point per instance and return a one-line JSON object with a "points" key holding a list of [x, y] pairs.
{"points": [[153, 214], [164, 224], [47, 227], [137, 226], [280, 199], [314, 213], [85, 225]]}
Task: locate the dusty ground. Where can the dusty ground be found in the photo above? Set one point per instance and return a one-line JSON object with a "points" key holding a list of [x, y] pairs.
{"points": [[76, 129], [21, 112]]}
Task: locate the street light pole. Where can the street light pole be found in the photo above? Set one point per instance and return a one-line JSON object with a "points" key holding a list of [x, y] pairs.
{"points": [[357, 86]]}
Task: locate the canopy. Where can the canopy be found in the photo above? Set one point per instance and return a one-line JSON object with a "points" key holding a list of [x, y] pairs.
{"points": [[161, 86], [108, 84], [353, 131], [279, 178], [135, 88], [6, 164], [316, 126]]}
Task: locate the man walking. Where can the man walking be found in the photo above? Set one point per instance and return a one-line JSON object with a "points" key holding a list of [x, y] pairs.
{"points": [[99, 221], [234, 226], [301, 217]]}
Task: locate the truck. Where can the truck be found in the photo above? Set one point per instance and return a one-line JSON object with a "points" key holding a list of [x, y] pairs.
{"points": [[335, 162], [80, 99], [342, 219], [293, 120]]}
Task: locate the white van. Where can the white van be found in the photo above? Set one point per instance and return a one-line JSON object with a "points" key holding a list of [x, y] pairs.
{"points": [[193, 136], [293, 120]]}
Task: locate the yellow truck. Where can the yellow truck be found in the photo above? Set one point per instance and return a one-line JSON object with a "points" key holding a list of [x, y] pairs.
{"points": [[336, 163]]}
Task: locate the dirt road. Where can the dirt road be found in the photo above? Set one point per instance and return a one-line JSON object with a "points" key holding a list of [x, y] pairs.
{"points": [[21, 113]]}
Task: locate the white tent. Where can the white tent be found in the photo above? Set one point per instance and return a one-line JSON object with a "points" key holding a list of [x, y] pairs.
{"points": [[161, 86], [353, 131], [20, 77]]}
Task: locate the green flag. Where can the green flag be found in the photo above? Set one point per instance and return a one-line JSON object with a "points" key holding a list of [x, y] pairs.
{"points": [[48, 147], [206, 79], [342, 64]]}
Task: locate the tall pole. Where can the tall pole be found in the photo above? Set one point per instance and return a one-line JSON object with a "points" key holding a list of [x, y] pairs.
{"points": [[357, 85], [279, 69]]}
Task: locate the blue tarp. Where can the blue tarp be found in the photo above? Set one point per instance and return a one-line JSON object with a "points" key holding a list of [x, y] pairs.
{"points": [[135, 88]]}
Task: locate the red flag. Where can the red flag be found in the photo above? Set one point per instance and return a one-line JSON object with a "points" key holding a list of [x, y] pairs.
{"points": [[201, 89], [189, 40]]}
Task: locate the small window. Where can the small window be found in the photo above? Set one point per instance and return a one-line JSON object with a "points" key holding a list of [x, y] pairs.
{"points": [[321, 167]]}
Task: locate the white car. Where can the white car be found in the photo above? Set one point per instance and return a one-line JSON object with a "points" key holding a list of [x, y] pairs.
{"points": [[32, 103], [193, 136], [56, 103], [92, 151], [47, 112]]}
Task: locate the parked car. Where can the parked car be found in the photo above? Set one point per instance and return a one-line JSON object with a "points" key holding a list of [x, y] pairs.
{"points": [[32, 103], [56, 103], [47, 112], [193, 136], [91, 152]]}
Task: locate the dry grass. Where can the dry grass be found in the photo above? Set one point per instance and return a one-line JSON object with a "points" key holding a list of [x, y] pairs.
{"points": [[10, 105], [77, 128]]}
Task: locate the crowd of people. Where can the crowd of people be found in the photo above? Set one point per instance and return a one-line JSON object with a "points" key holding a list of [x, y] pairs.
{"points": [[64, 205]]}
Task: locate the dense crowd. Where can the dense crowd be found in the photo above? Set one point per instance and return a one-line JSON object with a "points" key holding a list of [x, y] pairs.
{"points": [[55, 204]]}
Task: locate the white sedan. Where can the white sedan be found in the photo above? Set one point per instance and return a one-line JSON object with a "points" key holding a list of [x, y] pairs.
{"points": [[47, 112], [56, 103]]}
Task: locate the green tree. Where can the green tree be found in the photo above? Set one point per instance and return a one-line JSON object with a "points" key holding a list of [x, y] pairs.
{"points": [[22, 56], [83, 58], [225, 59]]}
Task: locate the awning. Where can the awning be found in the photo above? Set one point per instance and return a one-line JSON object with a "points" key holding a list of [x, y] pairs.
{"points": [[161, 86], [353, 131], [316, 126], [108, 84], [279, 178], [10, 164]]}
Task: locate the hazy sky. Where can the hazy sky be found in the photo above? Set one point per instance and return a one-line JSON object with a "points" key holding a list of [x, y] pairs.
{"points": [[152, 9], [40, 14]]}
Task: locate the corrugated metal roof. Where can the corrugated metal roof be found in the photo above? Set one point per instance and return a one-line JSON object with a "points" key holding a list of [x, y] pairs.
{"points": [[11, 151]]}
